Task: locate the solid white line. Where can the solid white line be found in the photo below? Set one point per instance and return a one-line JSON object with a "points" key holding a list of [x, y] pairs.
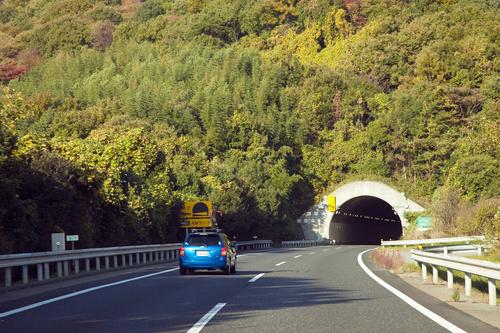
{"points": [[81, 292], [206, 318], [241, 255], [420, 308], [312, 252], [280, 263], [256, 277], [298, 256]]}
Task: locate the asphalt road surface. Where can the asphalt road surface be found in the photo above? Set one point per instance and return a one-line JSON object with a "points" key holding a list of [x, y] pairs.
{"points": [[318, 289]]}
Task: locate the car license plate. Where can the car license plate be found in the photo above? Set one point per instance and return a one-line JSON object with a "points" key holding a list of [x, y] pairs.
{"points": [[202, 253]]}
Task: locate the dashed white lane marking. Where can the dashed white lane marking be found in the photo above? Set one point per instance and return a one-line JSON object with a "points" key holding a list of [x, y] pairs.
{"points": [[325, 250], [298, 256], [206, 318], [280, 263], [241, 255], [420, 308], [256, 277], [81, 292], [312, 252]]}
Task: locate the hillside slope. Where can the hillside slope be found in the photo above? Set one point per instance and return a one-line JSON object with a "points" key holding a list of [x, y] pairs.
{"points": [[116, 111]]}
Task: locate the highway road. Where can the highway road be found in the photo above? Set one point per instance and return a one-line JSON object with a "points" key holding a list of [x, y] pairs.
{"points": [[318, 289]]}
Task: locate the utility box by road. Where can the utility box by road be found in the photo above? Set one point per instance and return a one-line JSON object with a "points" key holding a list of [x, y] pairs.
{"points": [[58, 242]]}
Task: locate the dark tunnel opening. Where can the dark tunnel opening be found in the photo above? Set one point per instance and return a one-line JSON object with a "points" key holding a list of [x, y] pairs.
{"points": [[365, 220]]}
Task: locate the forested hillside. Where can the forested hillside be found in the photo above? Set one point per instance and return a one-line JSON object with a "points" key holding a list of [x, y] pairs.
{"points": [[115, 111]]}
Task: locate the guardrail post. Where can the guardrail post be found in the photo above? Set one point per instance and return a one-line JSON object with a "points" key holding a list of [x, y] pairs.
{"points": [[76, 263], [87, 265], [144, 257], [59, 269], [115, 261], [39, 272], [124, 260], [449, 278], [46, 269], [468, 283], [492, 291], [424, 271], [106, 262], [137, 258], [25, 274], [434, 274], [130, 259], [479, 250], [66, 268], [446, 250], [156, 256], [8, 276], [97, 264]]}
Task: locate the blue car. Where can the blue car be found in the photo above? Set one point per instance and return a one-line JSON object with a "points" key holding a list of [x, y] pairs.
{"points": [[207, 250]]}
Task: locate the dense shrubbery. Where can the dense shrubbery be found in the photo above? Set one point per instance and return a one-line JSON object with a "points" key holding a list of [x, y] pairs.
{"points": [[258, 105]]}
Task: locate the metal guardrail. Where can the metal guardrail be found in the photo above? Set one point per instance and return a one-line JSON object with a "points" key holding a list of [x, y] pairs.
{"points": [[433, 241], [253, 245], [468, 266], [304, 243], [58, 264], [49, 265]]}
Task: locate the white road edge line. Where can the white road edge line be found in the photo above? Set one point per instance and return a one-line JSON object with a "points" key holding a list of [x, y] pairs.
{"points": [[280, 263], [81, 292], [256, 277], [298, 256], [206, 318], [417, 306]]}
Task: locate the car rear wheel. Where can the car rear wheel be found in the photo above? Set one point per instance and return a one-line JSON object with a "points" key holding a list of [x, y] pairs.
{"points": [[233, 268]]}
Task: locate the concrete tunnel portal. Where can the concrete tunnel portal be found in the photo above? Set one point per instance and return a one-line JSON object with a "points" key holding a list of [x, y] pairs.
{"points": [[365, 212], [365, 220]]}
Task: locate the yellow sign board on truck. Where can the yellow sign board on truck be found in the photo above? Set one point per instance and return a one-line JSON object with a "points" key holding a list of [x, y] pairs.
{"points": [[196, 214]]}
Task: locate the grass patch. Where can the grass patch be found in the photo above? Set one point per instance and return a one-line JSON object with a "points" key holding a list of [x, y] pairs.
{"points": [[387, 258], [489, 257]]}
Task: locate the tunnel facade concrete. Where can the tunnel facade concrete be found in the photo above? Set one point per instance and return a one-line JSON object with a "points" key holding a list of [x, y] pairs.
{"points": [[367, 211]]}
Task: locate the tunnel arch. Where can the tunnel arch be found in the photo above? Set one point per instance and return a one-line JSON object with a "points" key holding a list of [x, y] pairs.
{"points": [[317, 221]]}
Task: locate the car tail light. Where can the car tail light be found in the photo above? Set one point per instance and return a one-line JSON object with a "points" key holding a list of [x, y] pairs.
{"points": [[223, 252], [181, 252]]}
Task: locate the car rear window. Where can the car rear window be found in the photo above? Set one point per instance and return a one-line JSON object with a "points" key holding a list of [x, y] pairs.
{"points": [[203, 240]]}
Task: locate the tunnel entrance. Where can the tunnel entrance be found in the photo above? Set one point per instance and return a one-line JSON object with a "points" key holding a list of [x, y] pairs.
{"points": [[365, 220]]}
